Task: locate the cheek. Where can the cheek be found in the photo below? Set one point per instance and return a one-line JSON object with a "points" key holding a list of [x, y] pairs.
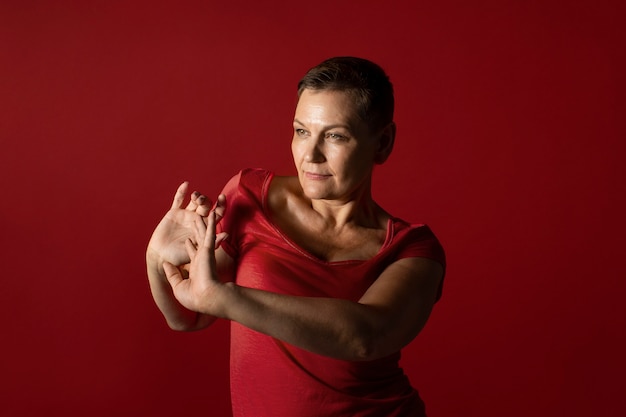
{"points": [[294, 148], [357, 163], [295, 151]]}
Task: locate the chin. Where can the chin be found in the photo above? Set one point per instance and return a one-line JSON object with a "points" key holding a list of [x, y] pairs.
{"points": [[314, 193]]}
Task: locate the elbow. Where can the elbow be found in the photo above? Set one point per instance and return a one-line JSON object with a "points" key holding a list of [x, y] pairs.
{"points": [[368, 349], [376, 347], [365, 352], [356, 340], [375, 342], [368, 345]]}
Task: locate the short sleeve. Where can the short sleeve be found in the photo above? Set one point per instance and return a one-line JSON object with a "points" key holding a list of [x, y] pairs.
{"points": [[243, 202], [420, 242], [226, 224]]}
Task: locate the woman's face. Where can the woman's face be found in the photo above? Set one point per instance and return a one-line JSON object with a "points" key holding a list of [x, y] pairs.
{"points": [[333, 149]]}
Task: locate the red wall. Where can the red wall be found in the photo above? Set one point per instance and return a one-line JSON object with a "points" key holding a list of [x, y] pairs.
{"points": [[510, 145]]}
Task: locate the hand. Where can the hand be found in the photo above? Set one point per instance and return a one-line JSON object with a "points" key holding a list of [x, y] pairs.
{"points": [[168, 240], [199, 291]]}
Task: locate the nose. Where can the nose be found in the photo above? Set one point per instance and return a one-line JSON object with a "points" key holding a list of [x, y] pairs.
{"points": [[314, 151]]}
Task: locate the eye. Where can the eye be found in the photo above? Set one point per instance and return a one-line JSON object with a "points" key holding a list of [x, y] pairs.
{"points": [[335, 136], [300, 132]]}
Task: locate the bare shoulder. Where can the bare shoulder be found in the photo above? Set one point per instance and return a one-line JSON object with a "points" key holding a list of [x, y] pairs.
{"points": [[283, 190]]}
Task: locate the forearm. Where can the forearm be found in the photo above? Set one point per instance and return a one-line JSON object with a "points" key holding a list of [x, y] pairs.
{"points": [[331, 327], [177, 316]]}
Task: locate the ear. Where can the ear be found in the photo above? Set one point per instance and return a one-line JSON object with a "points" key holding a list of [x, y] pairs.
{"points": [[386, 140]]}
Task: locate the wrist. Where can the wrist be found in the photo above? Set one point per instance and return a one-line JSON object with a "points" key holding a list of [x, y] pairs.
{"points": [[225, 300]]}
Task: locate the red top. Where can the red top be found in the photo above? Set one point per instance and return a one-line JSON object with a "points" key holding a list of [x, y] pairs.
{"points": [[275, 379]]}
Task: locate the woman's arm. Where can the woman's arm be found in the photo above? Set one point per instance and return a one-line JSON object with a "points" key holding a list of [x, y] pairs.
{"points": [[167, 244], [388, 316], [176, 316]]}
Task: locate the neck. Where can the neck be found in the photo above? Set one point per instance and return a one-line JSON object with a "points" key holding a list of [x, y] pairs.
{"points": [[360, 210]]}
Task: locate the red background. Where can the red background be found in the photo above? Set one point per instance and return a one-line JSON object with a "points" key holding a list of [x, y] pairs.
{"points": [[510, 145]]}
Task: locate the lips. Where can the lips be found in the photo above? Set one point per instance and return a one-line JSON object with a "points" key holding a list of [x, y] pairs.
{"points": [[315, 176]]}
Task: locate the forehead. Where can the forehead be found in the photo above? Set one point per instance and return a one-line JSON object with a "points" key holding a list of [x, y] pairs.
{"points": [[328, 106]]}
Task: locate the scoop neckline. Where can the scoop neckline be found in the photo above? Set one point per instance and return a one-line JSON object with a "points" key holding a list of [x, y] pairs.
{"points": [[266, 212]]}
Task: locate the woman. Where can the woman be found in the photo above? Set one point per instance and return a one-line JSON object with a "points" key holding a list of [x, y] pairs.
{"points": [[322, 286]]}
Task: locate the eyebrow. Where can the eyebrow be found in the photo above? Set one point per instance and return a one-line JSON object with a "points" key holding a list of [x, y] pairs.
{"points": [[347, 127]]}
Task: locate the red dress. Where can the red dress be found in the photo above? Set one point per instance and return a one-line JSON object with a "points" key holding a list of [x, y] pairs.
{"points": [[271, 378]]}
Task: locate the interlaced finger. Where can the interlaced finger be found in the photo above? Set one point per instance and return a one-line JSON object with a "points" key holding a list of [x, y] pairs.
{"points": [[199, 230], [193, 201], [204, 207], [209, 237], [220, 207], [191, 249]]}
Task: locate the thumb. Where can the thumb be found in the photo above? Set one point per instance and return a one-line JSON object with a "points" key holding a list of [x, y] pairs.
{"points": [[173, 275]]}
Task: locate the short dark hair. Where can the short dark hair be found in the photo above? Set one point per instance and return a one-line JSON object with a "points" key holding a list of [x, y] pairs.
{"points": [[365, 80]]}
